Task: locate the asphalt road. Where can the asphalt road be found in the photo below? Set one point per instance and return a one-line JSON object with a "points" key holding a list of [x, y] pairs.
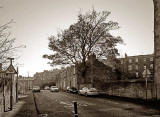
{"points": [[60, 104]]}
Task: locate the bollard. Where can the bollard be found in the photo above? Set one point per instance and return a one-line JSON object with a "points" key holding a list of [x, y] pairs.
{"points": [[11, 102], [75, 110], [4, 105]]}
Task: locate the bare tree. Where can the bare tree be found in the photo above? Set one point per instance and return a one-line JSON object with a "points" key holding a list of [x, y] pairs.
{"points": [[91, 34], [7, 48]]}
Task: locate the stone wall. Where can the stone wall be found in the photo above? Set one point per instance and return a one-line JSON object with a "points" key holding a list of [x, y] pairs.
{"points": [[131, 89]]}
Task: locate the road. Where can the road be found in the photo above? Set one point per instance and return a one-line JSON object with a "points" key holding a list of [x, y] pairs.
{"points": [[60, 104]]}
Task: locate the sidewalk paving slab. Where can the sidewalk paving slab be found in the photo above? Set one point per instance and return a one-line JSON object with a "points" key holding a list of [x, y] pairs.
{"points": [[24, 108]]}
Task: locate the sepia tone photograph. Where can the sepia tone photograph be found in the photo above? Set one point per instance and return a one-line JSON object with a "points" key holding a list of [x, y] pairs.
{"points": [[79, 58]]}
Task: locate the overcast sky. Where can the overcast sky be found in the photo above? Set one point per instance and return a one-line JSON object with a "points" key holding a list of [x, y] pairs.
{"points": [[38, 19]]}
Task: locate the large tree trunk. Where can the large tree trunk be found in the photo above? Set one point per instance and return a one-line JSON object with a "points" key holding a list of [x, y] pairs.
{"points": [[157, 47]]}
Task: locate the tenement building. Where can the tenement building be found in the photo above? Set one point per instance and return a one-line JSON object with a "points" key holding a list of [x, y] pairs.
{"points": [[25, 84], [139, 66], [66, 77], [47, 77], [96, 75]]}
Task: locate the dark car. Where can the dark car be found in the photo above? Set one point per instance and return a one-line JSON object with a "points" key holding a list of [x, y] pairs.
{"points": [[72, 90]]}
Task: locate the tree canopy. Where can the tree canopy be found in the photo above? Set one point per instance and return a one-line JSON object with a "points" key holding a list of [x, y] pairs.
{"points": [[89, 35]]}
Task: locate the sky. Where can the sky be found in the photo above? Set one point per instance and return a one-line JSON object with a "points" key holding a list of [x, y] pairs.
{"points": [[36, 20]]}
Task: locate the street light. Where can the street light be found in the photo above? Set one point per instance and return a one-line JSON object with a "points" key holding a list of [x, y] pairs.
{"points": [[17, 86], [10, 71], [11, 89], [18, 65], [146, 74]]}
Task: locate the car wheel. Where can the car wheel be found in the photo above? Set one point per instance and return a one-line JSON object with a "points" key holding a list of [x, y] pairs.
{"points": [[86, 94]]}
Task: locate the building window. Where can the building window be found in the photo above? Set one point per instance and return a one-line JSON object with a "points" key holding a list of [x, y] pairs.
{"points": [[136, 67], [137, 75], [136, 60], [130, 67], [122, 61], [144, 59], [151, 59], [130, 60], [74, 70], [151, 66]]}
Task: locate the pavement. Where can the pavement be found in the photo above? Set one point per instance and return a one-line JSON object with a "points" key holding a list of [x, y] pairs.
{"points": [[24, 108]]}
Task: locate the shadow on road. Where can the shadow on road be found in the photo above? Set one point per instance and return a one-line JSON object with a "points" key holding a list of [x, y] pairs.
{"points": [[147, 103], [27, 107]]}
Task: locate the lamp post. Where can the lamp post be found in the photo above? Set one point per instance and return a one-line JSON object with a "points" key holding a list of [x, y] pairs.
{"points": [[17, 86], [146, 81], [145, 74], [11, 84]]}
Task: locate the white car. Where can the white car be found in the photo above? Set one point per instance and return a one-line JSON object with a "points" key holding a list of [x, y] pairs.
{"points": [[36, 89], [46, 88], [88, 92], [54, 89]]}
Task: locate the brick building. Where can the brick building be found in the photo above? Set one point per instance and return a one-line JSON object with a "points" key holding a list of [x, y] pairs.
{"points": [[138, 66], [46, 77], [135, 66], [25, 84], [96, 75], [67, 77]]}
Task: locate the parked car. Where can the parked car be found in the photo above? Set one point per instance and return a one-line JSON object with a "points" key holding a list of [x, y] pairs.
{"points": [[54, 89], [102, 93], [83, 91], [88, 92], [36, 89], [46, 88], [72, 90], [68, 88]]}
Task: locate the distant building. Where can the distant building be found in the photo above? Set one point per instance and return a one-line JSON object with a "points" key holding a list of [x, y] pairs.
{"points": [[96, 74], [136, 65], [140, 65], [46, 77], [67, 77], [25, 84]]}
